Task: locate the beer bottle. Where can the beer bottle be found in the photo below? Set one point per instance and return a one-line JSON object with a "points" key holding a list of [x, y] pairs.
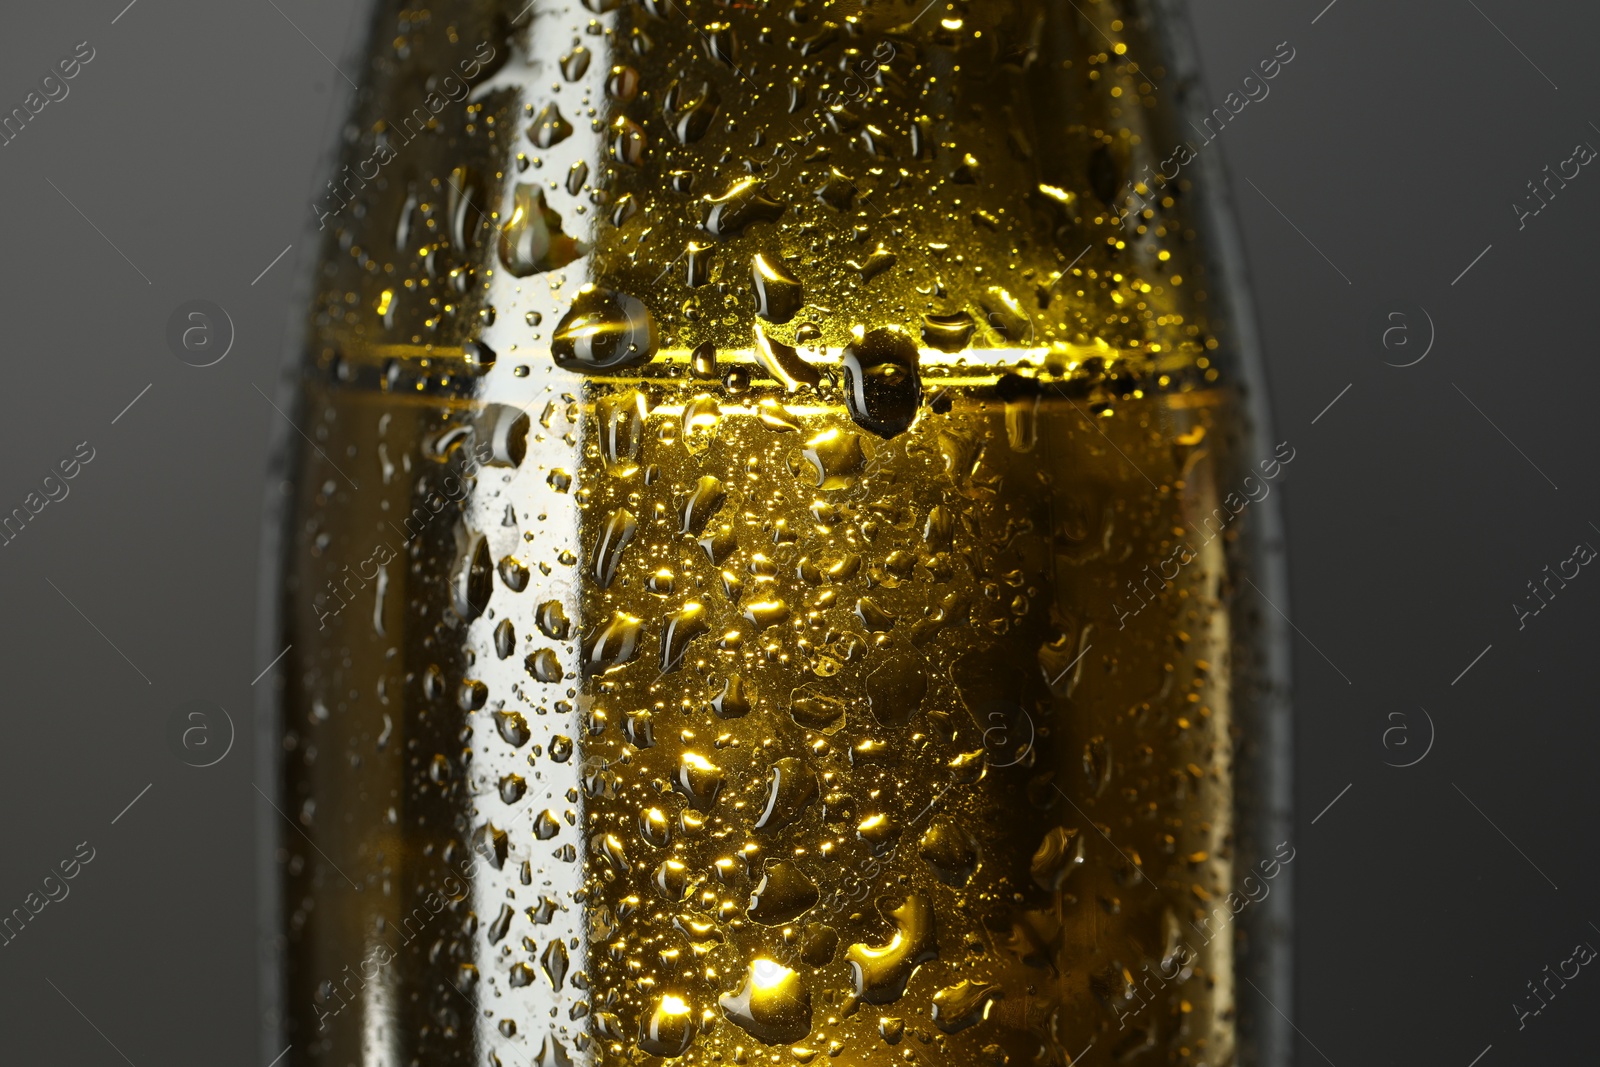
{"points": [[769, 565]]}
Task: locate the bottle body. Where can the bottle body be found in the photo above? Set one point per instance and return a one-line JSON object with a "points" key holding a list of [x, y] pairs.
{"points": [[754, 592]]}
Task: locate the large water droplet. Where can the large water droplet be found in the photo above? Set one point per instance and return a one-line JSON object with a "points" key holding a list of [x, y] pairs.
{"points": [[792, 787], [881, 972], [878, 260], [948, 333], [513, 573], [465, 205], [721, 43], [474, 579], [703, 363], [699, 780], [689, 106], [836, 456], [784, 893], [532, 239], [639, 729], [702, 502], [669, 1028], [545, 665], [513, 727], [577, 176], [1059, 854], [815, 710], [745, 202], [896, 688], [782, 363], [678, 629], [773, 1005], [950, 851], [621, 428], [549, 127], [878, 830], [1097, 763], [575, 63], [672, 880], [546, 825], [1022, 398], [614, 537], [492, 844], [774, 416], [554, 962], [697, 259], [512, 788], [654, 827], [552, 620], [505, 639], [622, 83], [627, 141], [882, 385], [959, 1006], [766, 612], [701, 417], [734, 700], [604, 330], [779, 294], [616, 643], [1006, 314], [838, 191]]}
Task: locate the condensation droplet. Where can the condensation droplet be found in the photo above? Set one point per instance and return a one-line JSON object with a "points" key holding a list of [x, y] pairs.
{"points": [[773, 1005], [784, 893], [745, 202], [575, 64], [604, 330], [881, 972], [532, 239], [882, 386], [779, 294]]}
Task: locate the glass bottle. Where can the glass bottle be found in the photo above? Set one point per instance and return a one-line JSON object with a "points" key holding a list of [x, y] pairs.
{"points": [[769, 569]]}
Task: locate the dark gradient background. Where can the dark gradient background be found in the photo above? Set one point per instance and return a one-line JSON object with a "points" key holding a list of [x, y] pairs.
{"points": [[1387, 157]]}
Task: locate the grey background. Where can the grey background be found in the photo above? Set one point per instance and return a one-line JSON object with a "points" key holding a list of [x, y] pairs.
{"points": [[1418, 505]]}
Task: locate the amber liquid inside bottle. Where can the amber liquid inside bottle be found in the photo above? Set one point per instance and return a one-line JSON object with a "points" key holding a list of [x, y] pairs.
{"points": [[868, 690]]}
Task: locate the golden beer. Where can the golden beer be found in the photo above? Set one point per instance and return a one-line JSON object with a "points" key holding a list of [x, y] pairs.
{"points": [[766, 572]]}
